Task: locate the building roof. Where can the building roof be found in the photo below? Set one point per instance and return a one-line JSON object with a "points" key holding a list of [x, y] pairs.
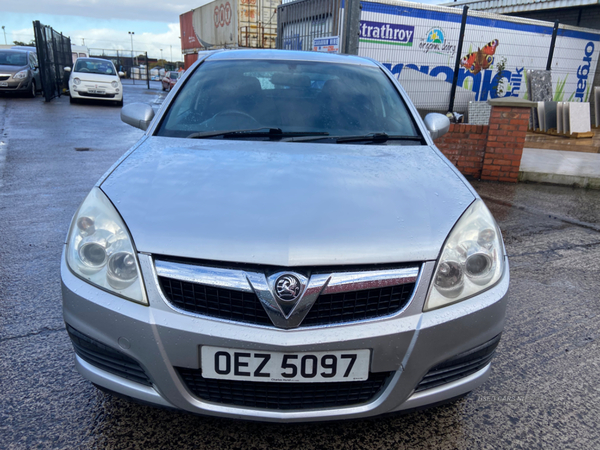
{"points": [[516, 6]]}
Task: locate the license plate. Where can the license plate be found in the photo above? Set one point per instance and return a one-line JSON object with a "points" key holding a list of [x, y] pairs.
{"points": [[95, 91], [3, 83], [305, 367]]}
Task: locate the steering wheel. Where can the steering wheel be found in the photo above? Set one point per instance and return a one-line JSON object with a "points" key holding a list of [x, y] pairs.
{"points": [[233, 112], [85, 70]]}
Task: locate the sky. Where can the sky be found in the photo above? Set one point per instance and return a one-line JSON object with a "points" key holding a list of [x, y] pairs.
{"points": [[104, 24]]}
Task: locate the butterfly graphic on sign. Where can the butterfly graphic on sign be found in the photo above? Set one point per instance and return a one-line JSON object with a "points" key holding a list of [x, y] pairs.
{"points": [[480, 60]]}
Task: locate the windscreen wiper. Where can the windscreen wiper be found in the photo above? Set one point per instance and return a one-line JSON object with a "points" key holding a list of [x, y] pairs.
{"points": [[376, 138], [272, 133]]}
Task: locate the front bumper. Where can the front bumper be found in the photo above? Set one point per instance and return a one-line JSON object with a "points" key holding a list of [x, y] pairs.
{"points": [[161, 339], [110, 93], [17, 85]]}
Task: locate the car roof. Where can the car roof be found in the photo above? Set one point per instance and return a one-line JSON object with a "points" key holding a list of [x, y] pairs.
{"points": [[15, 50], [23, 48], [94, 59], [289, 55]]}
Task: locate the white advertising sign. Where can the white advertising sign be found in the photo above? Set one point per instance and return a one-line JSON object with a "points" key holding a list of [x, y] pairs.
{"points": [[403, 36], [327, 44]]}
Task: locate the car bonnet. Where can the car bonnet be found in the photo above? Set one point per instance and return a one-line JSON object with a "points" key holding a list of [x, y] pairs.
{"points": [[287, 204]]}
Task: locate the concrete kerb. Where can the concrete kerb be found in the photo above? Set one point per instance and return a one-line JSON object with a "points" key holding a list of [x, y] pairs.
{"points": [[565, 180], [560, 167]]}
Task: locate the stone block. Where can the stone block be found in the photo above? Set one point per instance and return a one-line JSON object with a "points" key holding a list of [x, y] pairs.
{"points": [[479, 113], [579, 117], [597, 104], [550, 115], [539, 89]]}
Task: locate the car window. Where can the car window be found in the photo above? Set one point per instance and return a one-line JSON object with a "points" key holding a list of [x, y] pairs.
{"points": [[12, 58], [94, 66], [174, 75], [339, 99], [82, 55]]}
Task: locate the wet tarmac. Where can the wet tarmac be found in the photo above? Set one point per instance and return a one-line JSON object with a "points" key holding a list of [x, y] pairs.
{"points": [[544, 388]]}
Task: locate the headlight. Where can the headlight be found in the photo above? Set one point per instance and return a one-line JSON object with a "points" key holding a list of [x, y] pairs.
{"points": [[100, 250], [472, 260], [20, 75], [114, 84], [76, 81]]}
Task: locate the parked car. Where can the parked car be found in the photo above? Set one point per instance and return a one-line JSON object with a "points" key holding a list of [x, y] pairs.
{"points": [[285, 243], [170, 79], [95, 79], [19, 71]]}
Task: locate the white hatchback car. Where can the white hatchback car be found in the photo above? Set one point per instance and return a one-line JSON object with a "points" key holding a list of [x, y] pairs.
{"points": [[95, 78]]}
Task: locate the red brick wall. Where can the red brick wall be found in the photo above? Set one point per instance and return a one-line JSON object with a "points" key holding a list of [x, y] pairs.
{"points": [[504, 148], [464, 145], [489, 152]]}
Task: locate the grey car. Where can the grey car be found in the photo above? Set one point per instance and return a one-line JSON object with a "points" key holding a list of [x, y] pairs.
{"points": [[285, 243], [19, 72]]}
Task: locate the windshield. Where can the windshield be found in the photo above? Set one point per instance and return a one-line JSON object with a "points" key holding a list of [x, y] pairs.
{"points": [[291, 96], [8, 58], [174, 75], [94, 66]]}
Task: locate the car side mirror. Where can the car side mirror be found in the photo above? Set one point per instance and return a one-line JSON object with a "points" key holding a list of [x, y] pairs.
{"points": [[437, 124], [138, 115], [67, 69], [121, 74]]}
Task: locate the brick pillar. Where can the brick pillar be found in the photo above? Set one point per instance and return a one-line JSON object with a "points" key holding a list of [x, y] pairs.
{"points": [[506, 137]]}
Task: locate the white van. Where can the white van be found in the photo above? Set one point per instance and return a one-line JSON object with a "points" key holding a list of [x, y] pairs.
{"points": [[79, 51]]}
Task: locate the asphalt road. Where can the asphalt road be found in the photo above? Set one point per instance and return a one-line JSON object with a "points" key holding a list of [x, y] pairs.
{"points": [[544, 388]]}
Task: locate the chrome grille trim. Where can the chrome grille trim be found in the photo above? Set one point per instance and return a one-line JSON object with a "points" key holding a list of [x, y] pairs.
{"points": [[208, 276], [238, 280], [358, 281], [260, 284]]}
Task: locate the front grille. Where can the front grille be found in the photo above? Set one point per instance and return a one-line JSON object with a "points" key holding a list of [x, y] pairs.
{"points": [[215, 302], [4, 78], [245, 307], [358, 305], [460, 366], [87, 94], [106, 358], [283, 396]]}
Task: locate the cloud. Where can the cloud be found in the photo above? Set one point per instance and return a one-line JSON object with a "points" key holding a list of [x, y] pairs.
{"points": [[106, 38], [113, 39], [153, 10]]}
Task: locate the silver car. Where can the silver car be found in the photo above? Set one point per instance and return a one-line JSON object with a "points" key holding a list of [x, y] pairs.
{"points": [[285, 243], [19, 72]]}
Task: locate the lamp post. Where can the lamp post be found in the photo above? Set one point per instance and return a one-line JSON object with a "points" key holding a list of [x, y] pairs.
{"points": [[4, 30], [131, 33], [161, 53], [171, 53]]}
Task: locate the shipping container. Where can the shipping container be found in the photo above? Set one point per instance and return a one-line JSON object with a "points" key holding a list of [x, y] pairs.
{"points": [[228, 24]]}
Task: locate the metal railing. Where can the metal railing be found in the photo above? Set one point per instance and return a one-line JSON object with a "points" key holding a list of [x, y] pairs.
{"points": [[54, 54], [300, 22], [447, 57]]}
